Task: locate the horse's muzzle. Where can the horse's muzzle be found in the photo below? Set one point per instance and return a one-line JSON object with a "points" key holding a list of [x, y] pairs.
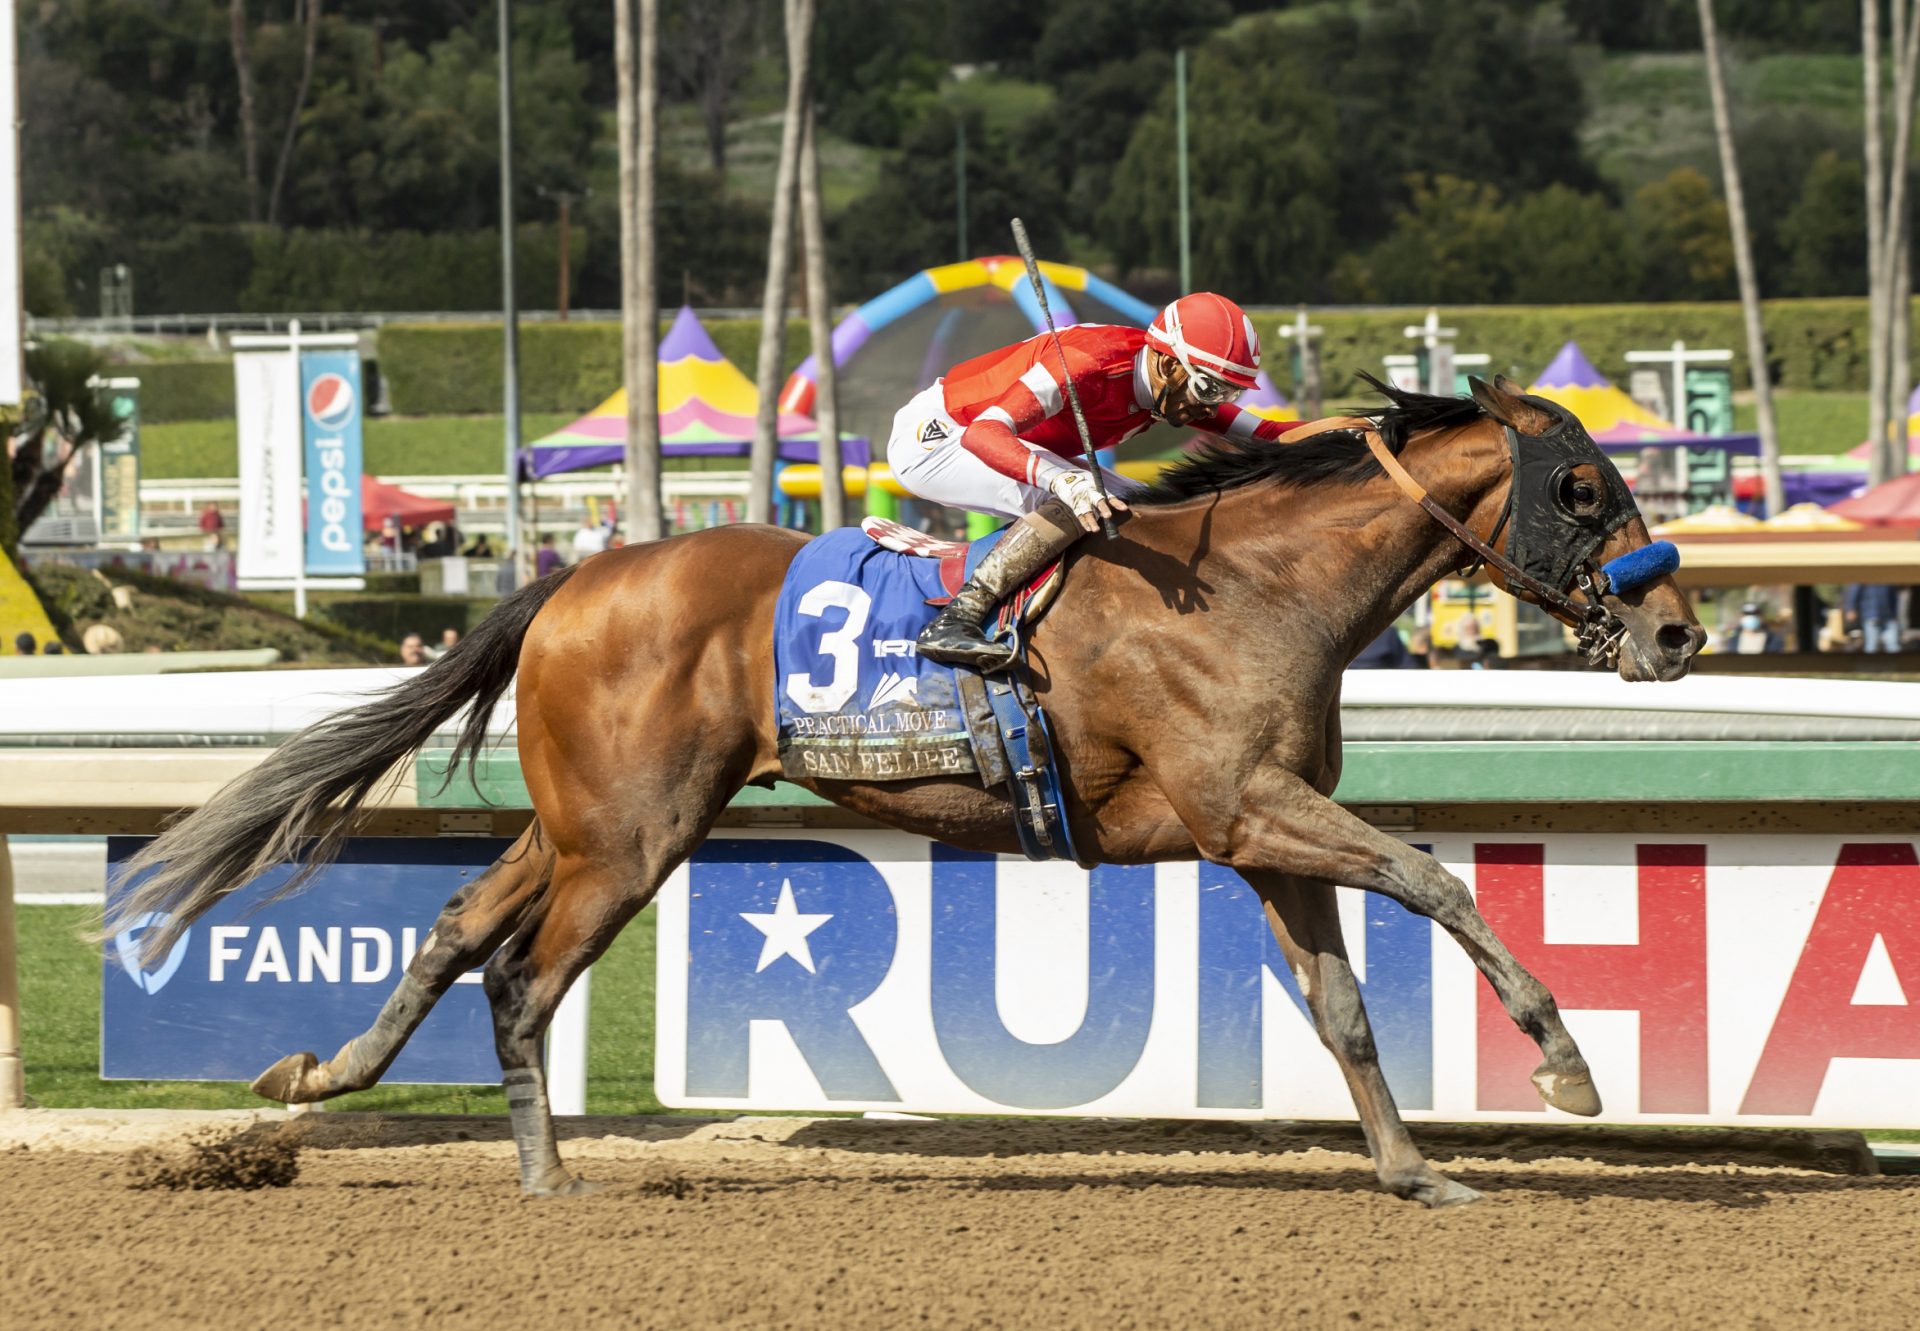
{"points": [[1665, 654]]}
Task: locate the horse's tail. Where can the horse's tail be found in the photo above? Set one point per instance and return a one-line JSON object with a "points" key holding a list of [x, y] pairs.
{"points": [[315, 784]]}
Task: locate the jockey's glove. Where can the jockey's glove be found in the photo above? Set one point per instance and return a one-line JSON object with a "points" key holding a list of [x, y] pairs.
{"points": [[1075, 490]]}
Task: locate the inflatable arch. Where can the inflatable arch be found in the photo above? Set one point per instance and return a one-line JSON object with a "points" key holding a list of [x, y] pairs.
{"points": [[950, 293]]}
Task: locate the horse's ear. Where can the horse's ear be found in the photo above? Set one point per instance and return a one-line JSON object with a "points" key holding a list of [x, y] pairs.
{"points": [[1506, 402]]}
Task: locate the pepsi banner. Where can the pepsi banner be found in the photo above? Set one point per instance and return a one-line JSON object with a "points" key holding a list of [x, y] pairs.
{"points": [[246, 985], [331, 419], [1762, 980]]}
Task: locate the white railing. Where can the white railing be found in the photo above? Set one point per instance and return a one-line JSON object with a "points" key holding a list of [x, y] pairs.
{"points": [[280, 702], [190, 494]]}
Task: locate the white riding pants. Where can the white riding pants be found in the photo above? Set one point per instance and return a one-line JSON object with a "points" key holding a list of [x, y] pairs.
{"points": [[927, 458]]}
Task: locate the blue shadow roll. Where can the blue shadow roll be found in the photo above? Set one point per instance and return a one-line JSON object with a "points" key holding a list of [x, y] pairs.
{"points": [[1641, 566]]}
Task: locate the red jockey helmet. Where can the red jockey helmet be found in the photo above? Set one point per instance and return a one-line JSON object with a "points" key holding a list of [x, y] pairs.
{"points": [[1210, 335]]}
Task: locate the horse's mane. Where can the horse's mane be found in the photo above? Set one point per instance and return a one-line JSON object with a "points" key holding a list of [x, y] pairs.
{"points": [[1337, 456]]}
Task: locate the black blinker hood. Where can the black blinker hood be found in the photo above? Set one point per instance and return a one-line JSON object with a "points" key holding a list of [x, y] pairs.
{"points": [[1549, 541]]}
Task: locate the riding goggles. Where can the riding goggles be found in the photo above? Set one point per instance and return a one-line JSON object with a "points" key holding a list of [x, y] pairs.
{"points": [[1205, 388]]}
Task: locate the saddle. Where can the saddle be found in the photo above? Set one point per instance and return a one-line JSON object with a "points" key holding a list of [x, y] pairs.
{"points": [[854, 701], [957, 559]]}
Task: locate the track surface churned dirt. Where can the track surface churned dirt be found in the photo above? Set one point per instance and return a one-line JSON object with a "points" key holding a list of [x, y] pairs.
{"points": [[836, 1223]]}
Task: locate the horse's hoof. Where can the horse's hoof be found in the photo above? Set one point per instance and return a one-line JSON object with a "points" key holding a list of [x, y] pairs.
{"points": [[573, 1187], [1572, 1093], [1436, 1192], [287, 1082]]}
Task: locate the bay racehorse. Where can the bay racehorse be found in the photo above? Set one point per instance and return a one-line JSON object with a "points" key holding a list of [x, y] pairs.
{"points": [[1191, 670]]}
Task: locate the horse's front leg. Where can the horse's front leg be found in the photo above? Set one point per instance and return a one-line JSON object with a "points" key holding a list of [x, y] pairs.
{"points": [[1279, 824], [1306, 920]]}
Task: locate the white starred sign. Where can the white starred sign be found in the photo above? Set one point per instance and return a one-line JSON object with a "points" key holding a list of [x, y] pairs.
{"points": [[786, 930]]}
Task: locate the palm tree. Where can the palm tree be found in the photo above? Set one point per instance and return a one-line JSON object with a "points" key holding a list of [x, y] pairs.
{"points": [[1743, 265], [833, 496], [639, 130], [773, 308], [1889, 234]]}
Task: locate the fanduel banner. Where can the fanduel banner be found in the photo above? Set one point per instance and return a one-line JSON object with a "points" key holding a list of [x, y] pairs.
{"points": [[1760, 980], [266, 390], [245, 986], [330, 412]]}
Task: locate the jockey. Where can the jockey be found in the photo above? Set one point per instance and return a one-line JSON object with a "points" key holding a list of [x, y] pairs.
{"points": [[997, 435]]}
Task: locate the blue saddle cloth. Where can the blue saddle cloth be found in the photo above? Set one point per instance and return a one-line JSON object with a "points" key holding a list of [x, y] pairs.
{"points": [[855, 701]]}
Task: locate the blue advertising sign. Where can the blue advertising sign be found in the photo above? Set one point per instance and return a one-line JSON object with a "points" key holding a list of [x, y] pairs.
{"points": [[861, 970], [248, 984], [330, 418]]}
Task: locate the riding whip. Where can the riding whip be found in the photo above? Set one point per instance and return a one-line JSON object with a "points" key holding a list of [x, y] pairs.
{"points": [[1073, 394]]}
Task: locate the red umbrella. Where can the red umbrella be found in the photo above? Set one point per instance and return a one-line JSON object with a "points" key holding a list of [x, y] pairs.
{"points": [[379, 501], [1894, 503]]}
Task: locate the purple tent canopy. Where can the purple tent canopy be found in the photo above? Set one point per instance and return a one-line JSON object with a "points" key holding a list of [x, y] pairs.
{"points": [[707, 409]]}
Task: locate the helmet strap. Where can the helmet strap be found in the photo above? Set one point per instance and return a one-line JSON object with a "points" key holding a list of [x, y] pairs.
{"points": [[1165, 392]]}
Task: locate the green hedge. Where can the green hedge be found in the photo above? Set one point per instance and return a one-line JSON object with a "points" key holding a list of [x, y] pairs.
{"points": [[455, 369], [187, 390], [1813, 345], [191, 390]]}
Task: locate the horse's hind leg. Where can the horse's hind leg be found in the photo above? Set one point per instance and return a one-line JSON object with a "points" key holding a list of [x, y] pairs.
{"points": [[592, 898], [475, 921], [1306, 920]]}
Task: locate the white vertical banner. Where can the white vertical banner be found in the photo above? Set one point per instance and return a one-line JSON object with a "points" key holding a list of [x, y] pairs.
{"points": [[266, 384], [10, 297], [567, 1050]]}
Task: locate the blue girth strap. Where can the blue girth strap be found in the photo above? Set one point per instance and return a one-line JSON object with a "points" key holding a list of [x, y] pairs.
{"points": [[1039, 811]]}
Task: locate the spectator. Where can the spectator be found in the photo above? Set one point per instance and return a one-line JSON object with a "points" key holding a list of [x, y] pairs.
{"points": [[1420, 647], [24, 644], [413, 650], [212, 524], [1875, 608], [589, 540], [51, 648], [546, 559], [441, 541], [1754, 637], [448, 638], [1385, 652], [480, 548]]}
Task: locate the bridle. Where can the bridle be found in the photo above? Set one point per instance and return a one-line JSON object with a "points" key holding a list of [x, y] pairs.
{"points": [[1599, 631]]}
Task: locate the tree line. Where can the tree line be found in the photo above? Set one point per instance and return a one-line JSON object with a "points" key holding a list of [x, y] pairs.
{"points": [[1392, 150]]}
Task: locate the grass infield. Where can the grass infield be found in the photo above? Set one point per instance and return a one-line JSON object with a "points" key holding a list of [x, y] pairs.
{"points": [[60, 1035]]}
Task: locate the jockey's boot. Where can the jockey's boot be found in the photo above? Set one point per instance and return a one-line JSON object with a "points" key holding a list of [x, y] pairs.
{"points": [[955, 637]]}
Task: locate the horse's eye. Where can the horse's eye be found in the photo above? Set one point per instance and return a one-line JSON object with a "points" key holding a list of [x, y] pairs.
{"points": [[1579, 496]]}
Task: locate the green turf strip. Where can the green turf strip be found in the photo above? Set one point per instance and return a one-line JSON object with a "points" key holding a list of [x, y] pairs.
{"points": [[60, 1034]]}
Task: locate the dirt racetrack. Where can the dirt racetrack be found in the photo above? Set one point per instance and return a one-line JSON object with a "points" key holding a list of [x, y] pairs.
{"points": [[848, 1223]]}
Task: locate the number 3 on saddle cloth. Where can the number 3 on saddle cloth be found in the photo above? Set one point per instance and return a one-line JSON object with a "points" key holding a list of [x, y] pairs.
{"points": [[856, 702]]}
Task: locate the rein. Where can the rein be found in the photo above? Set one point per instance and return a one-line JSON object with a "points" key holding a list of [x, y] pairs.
{"points": [[1600, 631]]}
